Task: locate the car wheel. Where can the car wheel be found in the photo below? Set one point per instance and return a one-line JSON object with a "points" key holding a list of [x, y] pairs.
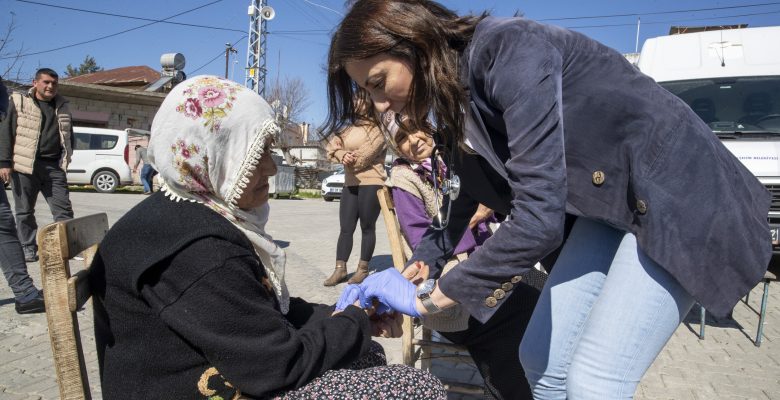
{"points": [[328, 198], [105, 182]]}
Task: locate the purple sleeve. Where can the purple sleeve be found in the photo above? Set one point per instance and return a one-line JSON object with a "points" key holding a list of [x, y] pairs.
{"points": [[467, 243], [412, 217], [414, 221], [483, 232]]}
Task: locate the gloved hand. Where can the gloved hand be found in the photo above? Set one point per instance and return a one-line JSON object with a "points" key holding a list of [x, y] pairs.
{"points": [[392, 290], [349, 296]]}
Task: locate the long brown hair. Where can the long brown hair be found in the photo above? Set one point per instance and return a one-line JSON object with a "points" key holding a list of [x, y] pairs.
{"points": [[423, 33]]}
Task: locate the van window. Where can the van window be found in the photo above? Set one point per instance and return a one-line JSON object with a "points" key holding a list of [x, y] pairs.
{"points": [[88, 141], [733, 105]]}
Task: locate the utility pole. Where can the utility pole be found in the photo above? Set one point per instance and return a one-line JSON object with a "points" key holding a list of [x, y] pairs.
{"points": [[228, 49], [259, 15]]}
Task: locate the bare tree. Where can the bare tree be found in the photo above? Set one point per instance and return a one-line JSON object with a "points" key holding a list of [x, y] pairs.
{"points": [[292, 96], [289, 99], [11, 69]]}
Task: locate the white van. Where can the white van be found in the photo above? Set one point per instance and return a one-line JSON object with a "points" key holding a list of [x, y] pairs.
{"points": [[731, 79], [100, 158]]}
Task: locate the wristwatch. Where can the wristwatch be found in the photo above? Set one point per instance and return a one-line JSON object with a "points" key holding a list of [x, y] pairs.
{"points": [[424, 291]]}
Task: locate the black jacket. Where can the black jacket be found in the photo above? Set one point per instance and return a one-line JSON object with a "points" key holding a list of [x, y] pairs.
{"points": [[564, 124], [179, 290]]}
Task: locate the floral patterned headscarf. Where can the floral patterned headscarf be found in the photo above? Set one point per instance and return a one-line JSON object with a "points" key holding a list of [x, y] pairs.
{"points": [[206, 142]]}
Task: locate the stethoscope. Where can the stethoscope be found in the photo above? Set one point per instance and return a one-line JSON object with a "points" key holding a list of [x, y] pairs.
{"points": [[446, 188]]}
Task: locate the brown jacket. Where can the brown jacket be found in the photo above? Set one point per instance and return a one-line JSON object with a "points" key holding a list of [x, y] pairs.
{"points": [[368, 145]]}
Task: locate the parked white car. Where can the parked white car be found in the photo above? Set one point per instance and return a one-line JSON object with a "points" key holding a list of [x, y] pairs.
{"points": [[333, 185], [101, 158]]}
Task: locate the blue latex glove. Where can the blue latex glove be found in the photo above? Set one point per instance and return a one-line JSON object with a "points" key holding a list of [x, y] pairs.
{"points": [[392, 290], [349, 296]]}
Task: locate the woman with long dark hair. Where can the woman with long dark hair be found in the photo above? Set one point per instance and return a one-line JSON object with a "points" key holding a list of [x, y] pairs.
{"points": [[544, 124]]}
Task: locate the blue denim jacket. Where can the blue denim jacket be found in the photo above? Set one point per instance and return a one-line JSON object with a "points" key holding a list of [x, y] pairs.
{"points": [[564, 124]]}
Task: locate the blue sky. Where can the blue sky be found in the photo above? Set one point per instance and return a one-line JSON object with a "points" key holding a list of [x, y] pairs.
{"points": [[297, 44]]}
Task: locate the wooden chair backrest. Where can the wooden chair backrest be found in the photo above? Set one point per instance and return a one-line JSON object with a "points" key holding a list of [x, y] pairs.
{"points": [[65, 294], [394, 236], [414, 349]]}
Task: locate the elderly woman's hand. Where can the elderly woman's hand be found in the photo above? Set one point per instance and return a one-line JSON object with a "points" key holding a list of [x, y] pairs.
{"points": [[417, 272], [480, 215], [387, 325]]}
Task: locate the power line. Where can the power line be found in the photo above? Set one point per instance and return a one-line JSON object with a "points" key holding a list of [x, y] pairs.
{"points": [[301, 40], [317, 31], [320, 14], [219, 55], [305, 12], [673, 21], [322, 6], [660, 12], [301, 32], [129, 16], [107, 36], [289, 33]]}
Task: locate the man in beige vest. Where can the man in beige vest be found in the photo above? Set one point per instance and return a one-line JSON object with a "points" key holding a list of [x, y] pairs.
{"points": [[27, 297], [36, 144]]}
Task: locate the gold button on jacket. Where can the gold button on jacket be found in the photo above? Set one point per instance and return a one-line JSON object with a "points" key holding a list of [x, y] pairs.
{"points": [[499, 294], [507, 286], [516, 279], [598, 178], [641, 206], [491, 302]]}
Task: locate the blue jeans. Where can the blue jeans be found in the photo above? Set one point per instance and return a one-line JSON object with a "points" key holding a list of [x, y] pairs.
{"points": [[11, 255], [606, 312], [147, 174]]}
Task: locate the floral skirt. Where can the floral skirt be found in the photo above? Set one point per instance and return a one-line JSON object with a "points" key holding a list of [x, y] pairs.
{"points": [[371, 378]]}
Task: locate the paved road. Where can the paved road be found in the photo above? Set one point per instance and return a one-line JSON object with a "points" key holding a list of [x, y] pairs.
{"points": [[726, 365]]}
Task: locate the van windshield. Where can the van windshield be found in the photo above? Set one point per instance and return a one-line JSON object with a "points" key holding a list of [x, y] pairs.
{"points": [[737, 107]]}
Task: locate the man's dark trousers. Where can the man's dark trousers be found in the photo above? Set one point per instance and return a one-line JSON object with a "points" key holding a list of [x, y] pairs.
{"points": [[47, 178], [11, 256]]}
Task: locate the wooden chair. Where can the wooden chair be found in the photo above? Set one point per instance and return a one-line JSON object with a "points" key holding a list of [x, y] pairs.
{"points": [[417, 343], [65, 294]]}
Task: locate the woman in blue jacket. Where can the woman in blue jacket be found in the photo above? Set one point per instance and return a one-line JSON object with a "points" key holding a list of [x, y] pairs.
{"points": [[546, 125]]}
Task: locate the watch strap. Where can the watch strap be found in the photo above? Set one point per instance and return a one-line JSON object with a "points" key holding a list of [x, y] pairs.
{"points": [[429, 305]]}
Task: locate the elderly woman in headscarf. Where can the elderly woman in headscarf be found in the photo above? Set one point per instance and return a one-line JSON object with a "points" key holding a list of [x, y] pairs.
{"points": [[190, 299]]}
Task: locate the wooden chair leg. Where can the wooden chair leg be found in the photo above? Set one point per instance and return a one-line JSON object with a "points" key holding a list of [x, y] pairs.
{"points": [[425, 353], [407, 341], [762, 315]]}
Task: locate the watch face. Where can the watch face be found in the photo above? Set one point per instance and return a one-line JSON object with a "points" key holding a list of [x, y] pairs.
{"points": [[426, 287]]}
